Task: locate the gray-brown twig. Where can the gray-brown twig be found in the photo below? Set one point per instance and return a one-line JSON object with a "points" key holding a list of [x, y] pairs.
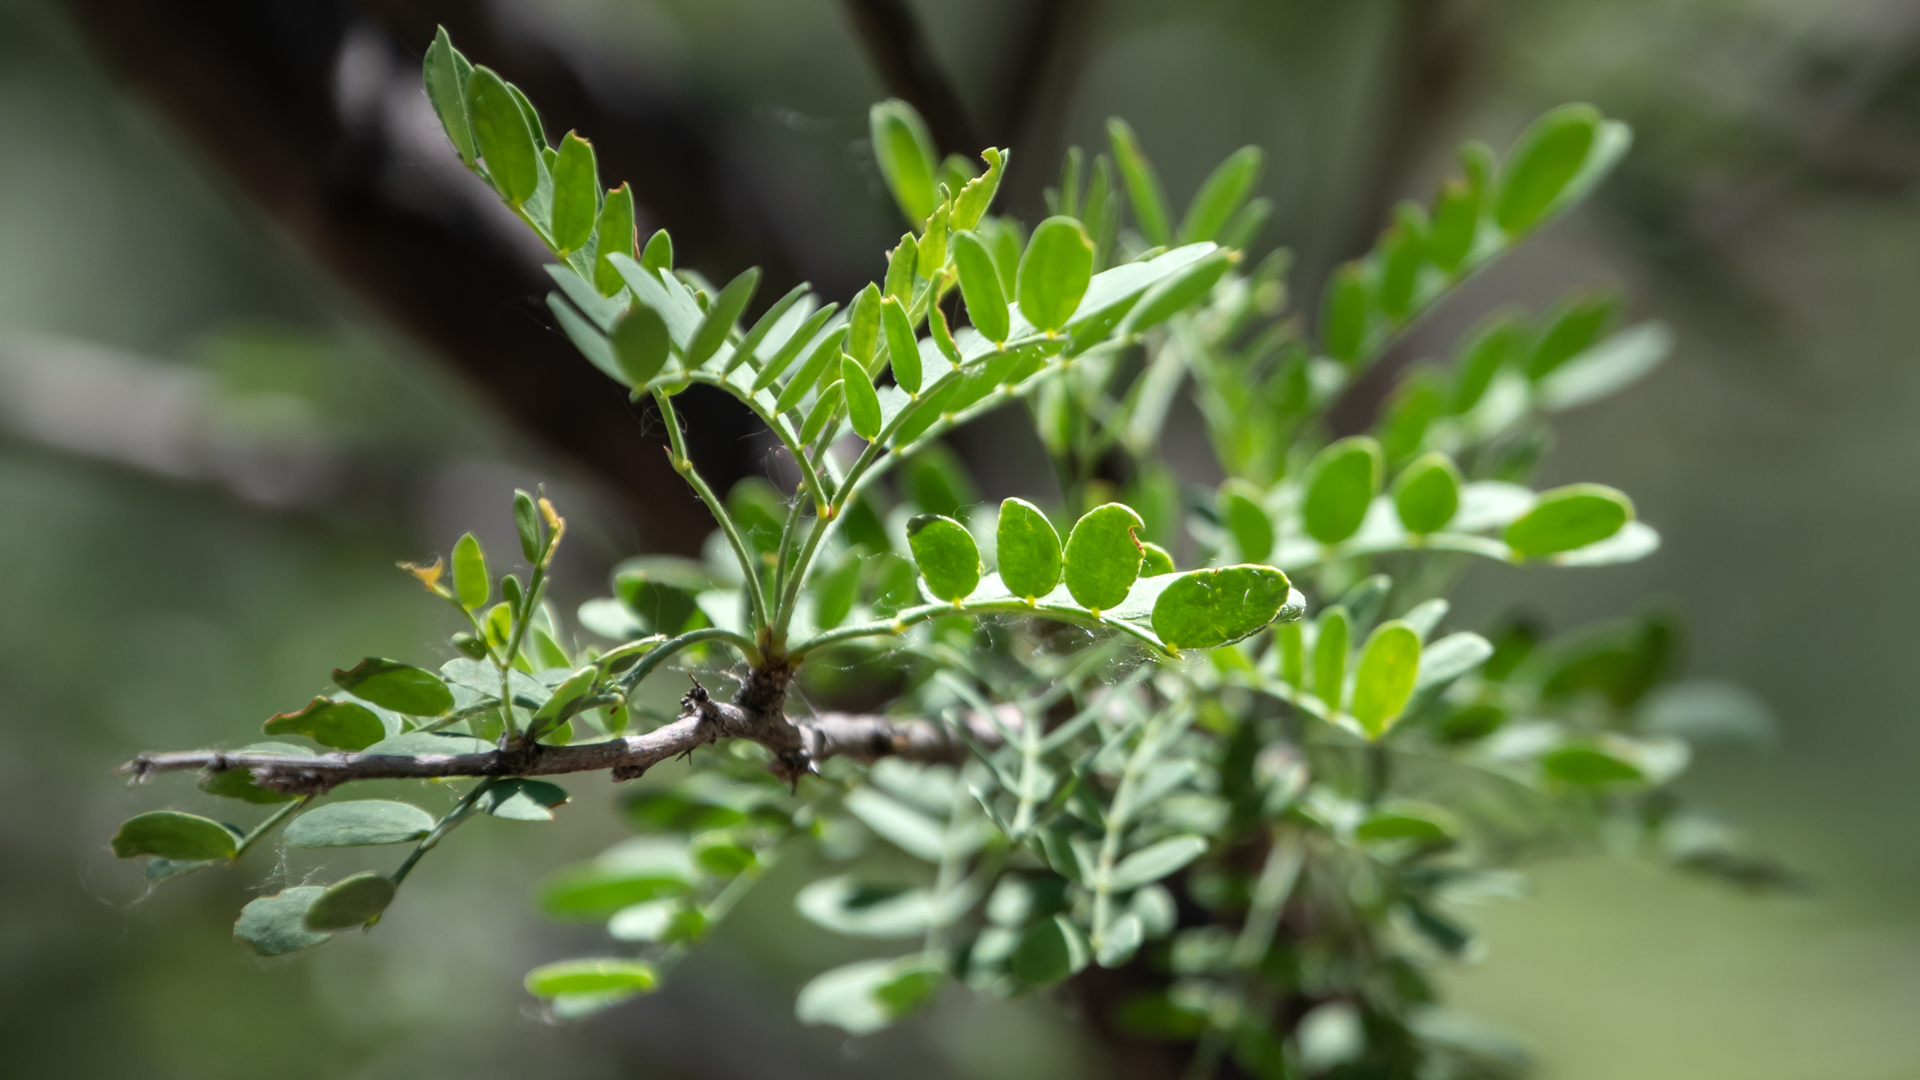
{"points": [[755, 715]]}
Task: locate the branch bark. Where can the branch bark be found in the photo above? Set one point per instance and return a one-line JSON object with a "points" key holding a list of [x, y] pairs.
{"points": [[798, 746]]}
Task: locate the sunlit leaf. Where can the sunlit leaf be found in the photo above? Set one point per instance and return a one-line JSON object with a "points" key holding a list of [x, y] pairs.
{"points": [[1103, 556], [948, 558]]}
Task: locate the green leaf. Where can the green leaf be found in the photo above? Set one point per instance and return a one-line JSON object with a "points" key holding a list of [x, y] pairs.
{"points": [[971, 204], [863, 997], [641, 344], [239, 783], [391, 684], [1122, 940], [502, 136], [1401, 819], [750, 343], [1589, 766], [1572, 327], [980, 286], [526, 522], [1495, 342], [906, 155], [720, 317], [1455, 224], [1222, 193], [359, 823], [1248, 524], [643, 869], [1155, 560], [350, 902], [1345, 323], [946, 554], [1605, 368], [1049, 951], [826, 408], [900, 269], [936, 481], [847, 905], [1427, 494], [520, 799], [1204, 609], [609, 975], [1330, 656], [1557, 160], [343, 725], [1054, 272], [616, 236], [576, 194], [784, 356], [446, 90], [906, 828], [171, 834], [1384, 680], [471, 585], [658, 254], [1103, 556], [824, 353], [276, 925], [835, 591], [1027, 549], [1410, 414], [1155, 861], [1143, 187], [942, 335], [1340, 481], [932, 257], [1569, 517], [863, 403], [1176, 293], [1246, 226], [903, 347], [533, 120]]}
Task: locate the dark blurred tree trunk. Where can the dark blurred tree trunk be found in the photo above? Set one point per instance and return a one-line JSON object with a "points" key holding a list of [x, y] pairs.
{"points": [[313, 108]]}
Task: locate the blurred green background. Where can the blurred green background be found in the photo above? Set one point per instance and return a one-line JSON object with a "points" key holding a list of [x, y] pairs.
{"points": [[212, 452]]}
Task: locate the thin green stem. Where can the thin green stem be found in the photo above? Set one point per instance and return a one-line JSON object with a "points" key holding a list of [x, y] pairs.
{"points": [[756, 587], [673, 645], [260, 831], [909, 617], [460, 812]]}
